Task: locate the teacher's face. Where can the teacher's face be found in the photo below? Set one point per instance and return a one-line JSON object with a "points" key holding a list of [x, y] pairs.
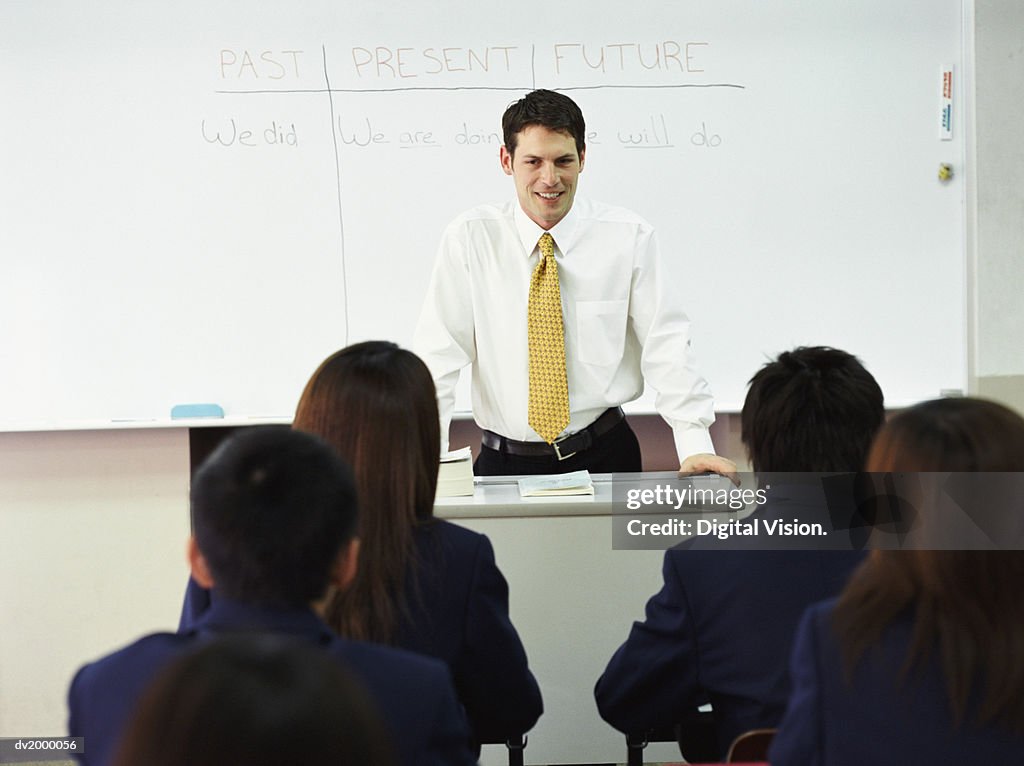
{"points": [[545, 168]]}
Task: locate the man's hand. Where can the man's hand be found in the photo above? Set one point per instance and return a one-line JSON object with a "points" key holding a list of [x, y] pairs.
{"points": [[704, 462]]}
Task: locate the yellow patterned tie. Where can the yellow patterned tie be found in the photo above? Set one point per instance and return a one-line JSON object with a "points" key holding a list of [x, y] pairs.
{"points": [[548, 411]]}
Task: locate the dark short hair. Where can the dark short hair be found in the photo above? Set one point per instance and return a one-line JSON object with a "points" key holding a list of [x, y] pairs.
{"points": [[812, 409], [272, 509], [255, 699], [552, 110]]}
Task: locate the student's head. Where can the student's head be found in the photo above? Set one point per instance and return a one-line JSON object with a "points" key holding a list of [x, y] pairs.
{"points": [[964, 437], [544, 152], [812, 409], [951, 435], [274, 517], [957, 463], [257, 700], [375, 403]]}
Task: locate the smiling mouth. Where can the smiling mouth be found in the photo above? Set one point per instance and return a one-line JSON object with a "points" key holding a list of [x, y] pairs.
{"points": [[549, 195]]}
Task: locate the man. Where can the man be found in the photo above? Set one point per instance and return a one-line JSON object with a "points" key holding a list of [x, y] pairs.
{"points": [[560, 306], [274, 518], [720, 629]]}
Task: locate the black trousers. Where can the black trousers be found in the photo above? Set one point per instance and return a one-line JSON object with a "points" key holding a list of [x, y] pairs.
{"points": [[617, 451]]}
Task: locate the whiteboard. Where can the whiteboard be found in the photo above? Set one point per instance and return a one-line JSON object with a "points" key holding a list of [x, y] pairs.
{"points": [[200, 201]]}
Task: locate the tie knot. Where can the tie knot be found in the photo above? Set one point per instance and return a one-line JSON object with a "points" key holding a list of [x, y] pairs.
{"points": [[546, 243]]}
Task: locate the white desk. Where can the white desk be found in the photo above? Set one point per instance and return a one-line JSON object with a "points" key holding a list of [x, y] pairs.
{"points": [[498, 496], [573, 600]]}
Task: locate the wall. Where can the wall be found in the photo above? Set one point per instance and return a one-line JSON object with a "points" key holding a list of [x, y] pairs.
{"points": [[997, 311], [92, 552]]}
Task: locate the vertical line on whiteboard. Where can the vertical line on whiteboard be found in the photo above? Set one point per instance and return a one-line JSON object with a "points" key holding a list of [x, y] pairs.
{"points": [[337, 176], [533, 66]]}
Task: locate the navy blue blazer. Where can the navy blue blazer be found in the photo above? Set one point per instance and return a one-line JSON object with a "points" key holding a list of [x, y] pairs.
{"points": [[720, 630], [414, 694], [458, 612], [875, 717]]}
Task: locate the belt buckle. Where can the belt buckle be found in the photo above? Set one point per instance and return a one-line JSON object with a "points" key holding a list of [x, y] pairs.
{"points": [[558, 452]]}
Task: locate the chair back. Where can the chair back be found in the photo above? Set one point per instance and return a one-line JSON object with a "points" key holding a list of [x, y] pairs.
{"points": [[750, 746]]}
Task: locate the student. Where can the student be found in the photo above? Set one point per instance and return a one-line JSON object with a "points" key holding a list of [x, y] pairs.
{"points": [[274, 520], [561, 308], [257, 700], [423, 584], [720, 629], [921, 657]]}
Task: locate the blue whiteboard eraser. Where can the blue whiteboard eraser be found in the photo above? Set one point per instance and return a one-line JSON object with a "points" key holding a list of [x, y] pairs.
{"points": [[182, 411]]}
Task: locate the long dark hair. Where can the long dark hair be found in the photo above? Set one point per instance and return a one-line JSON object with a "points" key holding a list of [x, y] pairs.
{"points": [[375, 403], [966, 605]]}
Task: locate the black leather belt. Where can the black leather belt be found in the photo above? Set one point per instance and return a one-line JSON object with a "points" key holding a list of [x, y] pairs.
{"points": [[562, 448]]}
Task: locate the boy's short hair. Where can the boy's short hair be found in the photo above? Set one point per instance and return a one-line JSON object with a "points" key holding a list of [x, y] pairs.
{"points": [[271, 510], [812, 409]]}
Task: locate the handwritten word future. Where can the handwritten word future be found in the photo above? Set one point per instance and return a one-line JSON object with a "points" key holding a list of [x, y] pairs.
{"points": [[626, 57]]}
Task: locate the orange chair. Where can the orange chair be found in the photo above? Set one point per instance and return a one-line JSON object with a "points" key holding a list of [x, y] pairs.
{"points": [[750, 746]]}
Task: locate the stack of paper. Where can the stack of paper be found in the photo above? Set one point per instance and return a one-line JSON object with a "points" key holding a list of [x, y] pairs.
{"points": [[575, 483], [455, 477]]}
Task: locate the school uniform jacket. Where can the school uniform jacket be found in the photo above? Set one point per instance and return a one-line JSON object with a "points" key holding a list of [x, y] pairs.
{"points": [[879, 715], [457, 612], [413, 693], [720, 631]]}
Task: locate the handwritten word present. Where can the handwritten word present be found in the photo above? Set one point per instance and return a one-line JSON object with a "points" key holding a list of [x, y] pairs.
{"points": [[393, 63]]}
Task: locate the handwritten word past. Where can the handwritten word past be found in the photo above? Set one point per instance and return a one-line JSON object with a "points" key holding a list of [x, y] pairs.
{"points": [[271, 64]]}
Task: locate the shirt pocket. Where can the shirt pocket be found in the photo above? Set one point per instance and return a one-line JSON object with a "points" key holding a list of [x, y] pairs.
{"points": [[601, 331]]}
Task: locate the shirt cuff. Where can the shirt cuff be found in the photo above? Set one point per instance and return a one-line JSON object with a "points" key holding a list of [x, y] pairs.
{"points": [[692, 440]]}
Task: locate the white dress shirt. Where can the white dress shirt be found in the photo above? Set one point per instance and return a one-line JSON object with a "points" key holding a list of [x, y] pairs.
{"points": [[622, 323]]}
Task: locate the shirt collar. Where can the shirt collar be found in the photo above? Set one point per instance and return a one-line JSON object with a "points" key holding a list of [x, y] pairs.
{"points": [[563, 232]]}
